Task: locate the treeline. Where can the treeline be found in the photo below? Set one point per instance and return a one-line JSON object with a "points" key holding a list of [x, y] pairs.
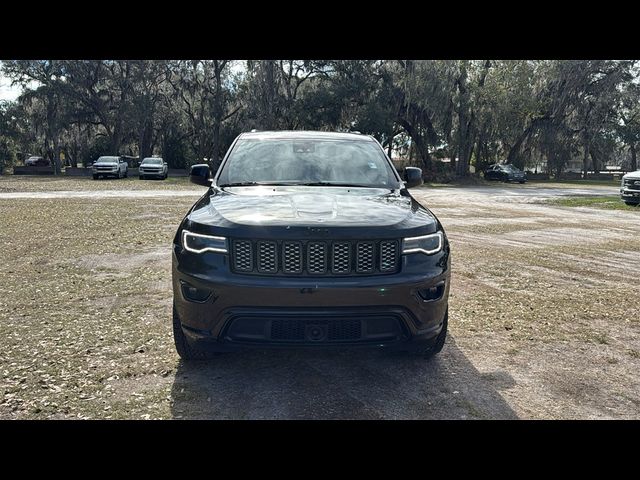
{"points": [[542, 113]]}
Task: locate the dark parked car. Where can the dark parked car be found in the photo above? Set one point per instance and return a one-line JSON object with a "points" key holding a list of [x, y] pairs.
{"points": [[309, 239], [37, 162], [630, 188], [505, 173]]}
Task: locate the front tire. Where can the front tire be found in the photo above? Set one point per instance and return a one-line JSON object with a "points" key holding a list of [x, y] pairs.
{"points": [[632, 204], [95, 177], [185, 349], [140, 177], [439, 343]]}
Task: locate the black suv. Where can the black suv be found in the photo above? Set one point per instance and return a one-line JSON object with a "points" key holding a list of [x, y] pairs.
{"points": [[309, 239]]}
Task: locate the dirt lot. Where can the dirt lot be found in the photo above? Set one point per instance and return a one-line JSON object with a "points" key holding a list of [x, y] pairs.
{"points": [[544, 316]]}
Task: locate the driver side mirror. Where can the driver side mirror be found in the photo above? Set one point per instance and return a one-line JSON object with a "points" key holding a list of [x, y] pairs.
{"points": [[412, 177], [200, 175]]}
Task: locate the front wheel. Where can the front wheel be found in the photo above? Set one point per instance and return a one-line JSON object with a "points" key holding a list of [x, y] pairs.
{"points": [[140, 177], [522, 181], [631, 203], [95, 177], [439, 343], [126, 173]]}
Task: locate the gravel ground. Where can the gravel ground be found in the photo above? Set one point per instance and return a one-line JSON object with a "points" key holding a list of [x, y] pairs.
{"points": [[543, 315]]}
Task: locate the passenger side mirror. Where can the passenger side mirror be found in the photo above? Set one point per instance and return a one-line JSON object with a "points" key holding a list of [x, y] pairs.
{"points": [[412, 177], [200, 174]]}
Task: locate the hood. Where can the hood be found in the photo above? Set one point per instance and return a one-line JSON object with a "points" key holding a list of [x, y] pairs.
{"points": [[106, 163], [633, 175], [332, 211]]}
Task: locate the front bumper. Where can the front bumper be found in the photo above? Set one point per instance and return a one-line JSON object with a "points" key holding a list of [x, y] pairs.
{"points": [[111, 173], [628, 194], [151, 173], [244, 311]]}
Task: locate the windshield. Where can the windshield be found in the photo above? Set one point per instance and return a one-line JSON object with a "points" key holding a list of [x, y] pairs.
{"points": [[152, 161], [107, 160], [307, 161], [510, 168]]}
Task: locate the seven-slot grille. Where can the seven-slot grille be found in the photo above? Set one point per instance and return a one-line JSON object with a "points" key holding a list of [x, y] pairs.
{"points": [[315, 258]]}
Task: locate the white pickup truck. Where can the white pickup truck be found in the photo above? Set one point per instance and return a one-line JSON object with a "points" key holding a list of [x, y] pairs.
{"points": [[630, 188], [153, 167], [110, 166]]}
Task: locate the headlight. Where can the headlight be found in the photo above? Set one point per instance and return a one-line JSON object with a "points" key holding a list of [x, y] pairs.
{"points": [[198, 243], [427, 244]]}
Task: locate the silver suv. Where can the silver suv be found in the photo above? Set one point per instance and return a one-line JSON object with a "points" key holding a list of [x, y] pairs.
{"points": [[630, 188]]}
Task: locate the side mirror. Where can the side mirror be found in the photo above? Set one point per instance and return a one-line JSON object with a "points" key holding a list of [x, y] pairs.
{"points": [[412, 177], [200, 174]]}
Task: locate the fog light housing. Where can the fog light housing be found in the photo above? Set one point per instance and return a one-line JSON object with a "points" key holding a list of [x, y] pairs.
{"points": [[194, 294], [433, 293]]}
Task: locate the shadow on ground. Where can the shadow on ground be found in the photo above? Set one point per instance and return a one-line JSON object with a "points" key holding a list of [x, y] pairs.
{"points": [[343, 384]]}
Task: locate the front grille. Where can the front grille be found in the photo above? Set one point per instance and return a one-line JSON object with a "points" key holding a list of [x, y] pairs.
{"points": [[365, 256], [243, 256], [388, 255], [631, 184], [315, 257], [341, 262], [267, 257], [335, 330]]}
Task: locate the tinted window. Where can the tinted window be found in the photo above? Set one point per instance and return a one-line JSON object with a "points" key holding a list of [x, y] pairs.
{"points": [[308, 161]]}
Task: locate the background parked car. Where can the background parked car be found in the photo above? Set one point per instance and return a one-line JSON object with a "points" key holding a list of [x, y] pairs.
{"points": [[37, 162], [110, 166], [505, 173], [153, 167]]}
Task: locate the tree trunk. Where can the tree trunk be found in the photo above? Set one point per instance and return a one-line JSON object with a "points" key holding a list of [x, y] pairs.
{"points": [[515, 149], [146, 133], [215, 156], [595, 161], [116, 140], [57, 165], [270, 94], [420, 146], [585, 161], [465, 147], [634, 162]]}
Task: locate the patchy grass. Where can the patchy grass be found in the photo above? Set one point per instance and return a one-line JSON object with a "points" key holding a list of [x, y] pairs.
{"points": [[48, 183], [608, 202], [588, 182], [85, 304], [85, 308]]}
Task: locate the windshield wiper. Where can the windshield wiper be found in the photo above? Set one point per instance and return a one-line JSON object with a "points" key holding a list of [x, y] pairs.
{"points": [[249, 184], [331, 184], [301, 184]]}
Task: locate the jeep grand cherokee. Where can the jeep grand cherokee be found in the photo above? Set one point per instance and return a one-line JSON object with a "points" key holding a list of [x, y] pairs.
{"points": [[308, 239]]}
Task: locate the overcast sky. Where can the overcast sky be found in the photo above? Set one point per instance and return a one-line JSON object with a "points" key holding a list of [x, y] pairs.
{"points": [[7, 92]]}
